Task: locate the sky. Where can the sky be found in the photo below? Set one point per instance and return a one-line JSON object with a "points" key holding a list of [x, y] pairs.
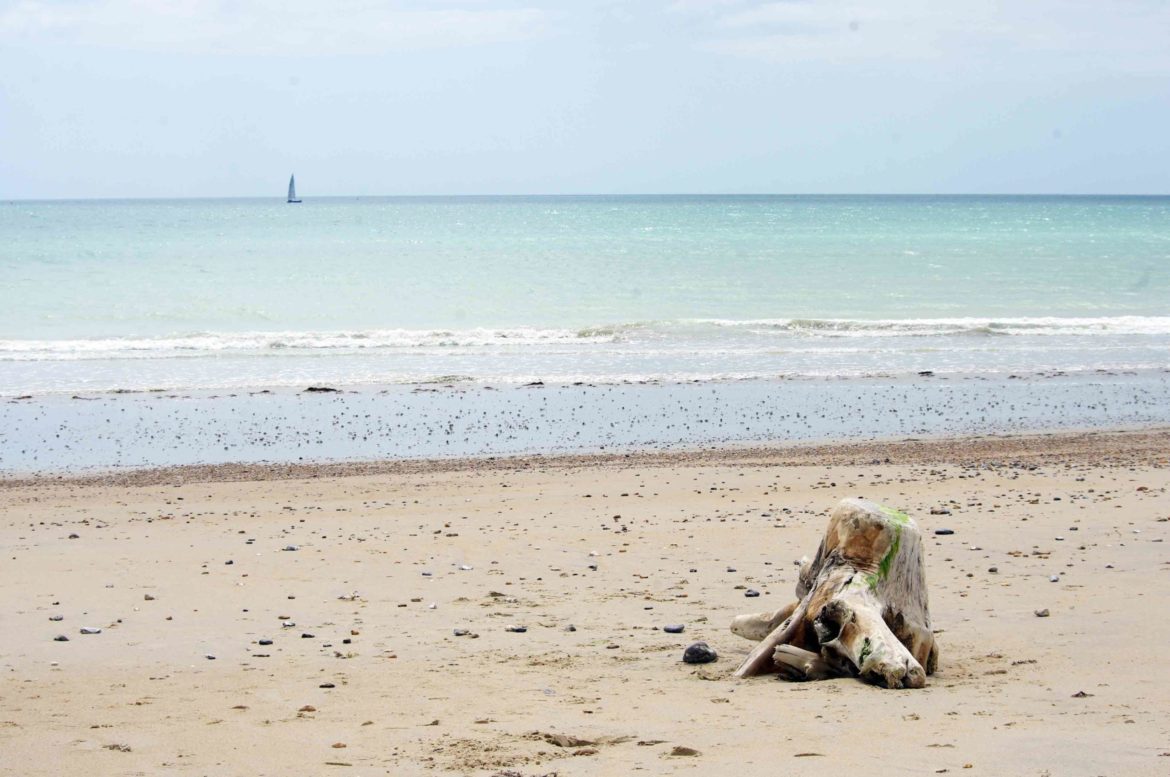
{"points": [[225, 98]]}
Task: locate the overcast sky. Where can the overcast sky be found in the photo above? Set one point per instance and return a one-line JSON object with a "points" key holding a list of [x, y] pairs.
{"points": [[174, 98]]}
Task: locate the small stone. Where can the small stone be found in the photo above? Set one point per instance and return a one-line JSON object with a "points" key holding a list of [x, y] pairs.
{"points": [[993, 570], [731, 569], [1042, 613], [209, 657], [699, 653], [264, 642], [56, 617], [74, 536], [570, 627], [326, 685], [228, 563], [90, 630], [939, 511], [148, 597], [60, 638], [307, 708], [462, 632], [466, 567], [674, 628], [1081, 695], [290, 548], [751, 593], [516, 629], [944, 532], [679, 750], [1054, 579], [307, 635]]}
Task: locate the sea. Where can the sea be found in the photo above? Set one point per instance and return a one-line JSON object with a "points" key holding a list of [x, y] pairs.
{"points": [[370, 294]]}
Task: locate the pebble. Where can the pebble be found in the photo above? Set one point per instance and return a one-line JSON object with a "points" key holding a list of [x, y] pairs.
{"points": [[56, 617], [751, 593], [462, 632], [944, 532], [264, 642], [148, 597], [699, 653], [209, 657], [1042, 613], [74, 536], [290, 547], [1054, 579], [517, 629], [307, 635], [90, 630], [570, 627], [326, 685], [60, 638], [674, 628], [466, 567], [993, 570]]}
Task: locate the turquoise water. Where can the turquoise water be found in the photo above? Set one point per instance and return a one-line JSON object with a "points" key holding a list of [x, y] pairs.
{"points": [[103, 295]]}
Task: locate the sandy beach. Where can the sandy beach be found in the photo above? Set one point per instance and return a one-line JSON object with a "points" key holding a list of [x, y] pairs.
{"points": [[302, 620]]}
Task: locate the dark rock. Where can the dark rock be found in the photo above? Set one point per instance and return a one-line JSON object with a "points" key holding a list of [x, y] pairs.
{"points": [[307, 635], [570, 627], [1042, 613], [751, 593], [944, 532], [74, 536], [264, 642], [699, 653], [517, 629], [462, 632], [322, 390], [60, 638], [56, 617], [326, 685], [674, 628]]}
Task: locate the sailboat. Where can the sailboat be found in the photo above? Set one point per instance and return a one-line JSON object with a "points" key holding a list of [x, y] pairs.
{"points": [[292, 189]]}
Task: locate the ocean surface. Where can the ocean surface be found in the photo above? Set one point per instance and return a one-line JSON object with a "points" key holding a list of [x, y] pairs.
{"points": [[154, 333], [100, 296]]}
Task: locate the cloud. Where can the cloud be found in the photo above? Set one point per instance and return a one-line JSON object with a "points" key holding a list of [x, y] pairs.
{"points": [[303, 27], [1121, 35]]}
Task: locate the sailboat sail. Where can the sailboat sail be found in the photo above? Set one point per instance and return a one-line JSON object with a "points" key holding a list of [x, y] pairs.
{"points": [[292, 189]]}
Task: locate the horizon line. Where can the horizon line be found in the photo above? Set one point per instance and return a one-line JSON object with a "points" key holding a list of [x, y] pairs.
{"points": [[586, 195]]}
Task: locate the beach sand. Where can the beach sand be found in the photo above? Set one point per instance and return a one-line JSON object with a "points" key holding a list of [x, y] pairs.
{"points": [[178, 566]]}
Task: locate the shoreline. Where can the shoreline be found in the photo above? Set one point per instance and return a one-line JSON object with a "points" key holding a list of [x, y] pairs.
{"points": [[124, 432], [1115, 447]]}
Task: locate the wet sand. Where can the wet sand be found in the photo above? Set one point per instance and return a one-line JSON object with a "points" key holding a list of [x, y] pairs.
{"points": [[100, 431], [186, 570]]}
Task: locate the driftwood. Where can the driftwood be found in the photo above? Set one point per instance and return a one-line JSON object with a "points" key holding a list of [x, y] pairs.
{"points": [[862, 611]]}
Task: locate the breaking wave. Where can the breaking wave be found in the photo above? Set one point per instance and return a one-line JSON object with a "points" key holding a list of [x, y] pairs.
{"points": [[679, 335]]}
